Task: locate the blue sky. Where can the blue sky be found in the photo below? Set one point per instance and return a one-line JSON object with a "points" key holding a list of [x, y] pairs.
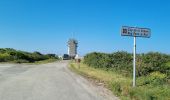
{"points": [[46, 25]]}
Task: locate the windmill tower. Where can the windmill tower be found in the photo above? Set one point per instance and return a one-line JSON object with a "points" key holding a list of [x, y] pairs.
{"points": [[72, 48]]}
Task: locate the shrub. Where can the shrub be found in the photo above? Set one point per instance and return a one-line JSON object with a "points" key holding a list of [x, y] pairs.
{"points": [[21, 61], [151, 62], [122, 61], [9, 54], [5, 57], [150, 93], [52, 56], [154, 78], [118, 60]]}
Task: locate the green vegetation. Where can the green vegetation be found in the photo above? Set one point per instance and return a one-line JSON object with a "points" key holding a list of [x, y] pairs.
{"points": [[15, 56], [122, 62], [46, 61], [115, 70]]}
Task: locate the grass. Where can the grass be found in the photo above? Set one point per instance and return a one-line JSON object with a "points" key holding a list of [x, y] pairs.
{"points": [[110, 79], [37, 62], [121, 85], [46, 61], [168, 63]]}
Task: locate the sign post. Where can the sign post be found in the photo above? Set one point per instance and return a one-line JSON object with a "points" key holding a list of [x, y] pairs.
{"points": [[135, 32], [134, 62]]}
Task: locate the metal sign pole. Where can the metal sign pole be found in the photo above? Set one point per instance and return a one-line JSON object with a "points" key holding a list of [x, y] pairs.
{"points": [[135, 32], [134, 62]]}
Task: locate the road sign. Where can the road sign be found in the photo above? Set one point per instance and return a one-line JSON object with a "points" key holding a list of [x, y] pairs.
{"points": [[136, 32]]}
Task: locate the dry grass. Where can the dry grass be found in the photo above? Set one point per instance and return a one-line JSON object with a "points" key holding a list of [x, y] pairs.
{"points": [[121, 85], [106, 76]]}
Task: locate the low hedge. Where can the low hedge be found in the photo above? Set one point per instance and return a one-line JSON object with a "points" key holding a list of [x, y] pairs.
{"points": [[122, 61]]}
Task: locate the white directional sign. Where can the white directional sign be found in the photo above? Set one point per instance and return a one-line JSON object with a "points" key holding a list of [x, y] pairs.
{"points": [[136, 32]]}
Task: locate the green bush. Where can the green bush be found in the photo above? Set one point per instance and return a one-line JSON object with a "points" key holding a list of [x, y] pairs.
{"points": [[152, 62], [12, 55], [118, 60], [21, 61], [150, 93], [122, 61], [154, 78], [5, 57]]}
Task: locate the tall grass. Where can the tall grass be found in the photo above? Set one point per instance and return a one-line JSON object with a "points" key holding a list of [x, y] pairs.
{"points": [[151, 87]]}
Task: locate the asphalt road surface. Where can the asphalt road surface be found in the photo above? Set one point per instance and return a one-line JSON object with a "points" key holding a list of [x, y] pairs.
{"points": [[53, 81]]}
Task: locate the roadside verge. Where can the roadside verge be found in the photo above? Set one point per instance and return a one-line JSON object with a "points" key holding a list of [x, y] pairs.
{"points": [[121, 85], [107, 79]]}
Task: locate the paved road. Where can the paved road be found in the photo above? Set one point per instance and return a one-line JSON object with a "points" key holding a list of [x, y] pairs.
{"points": [[52, 81]]}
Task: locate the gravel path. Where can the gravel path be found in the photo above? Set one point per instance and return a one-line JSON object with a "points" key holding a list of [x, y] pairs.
{"points": [[53, 81]]}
